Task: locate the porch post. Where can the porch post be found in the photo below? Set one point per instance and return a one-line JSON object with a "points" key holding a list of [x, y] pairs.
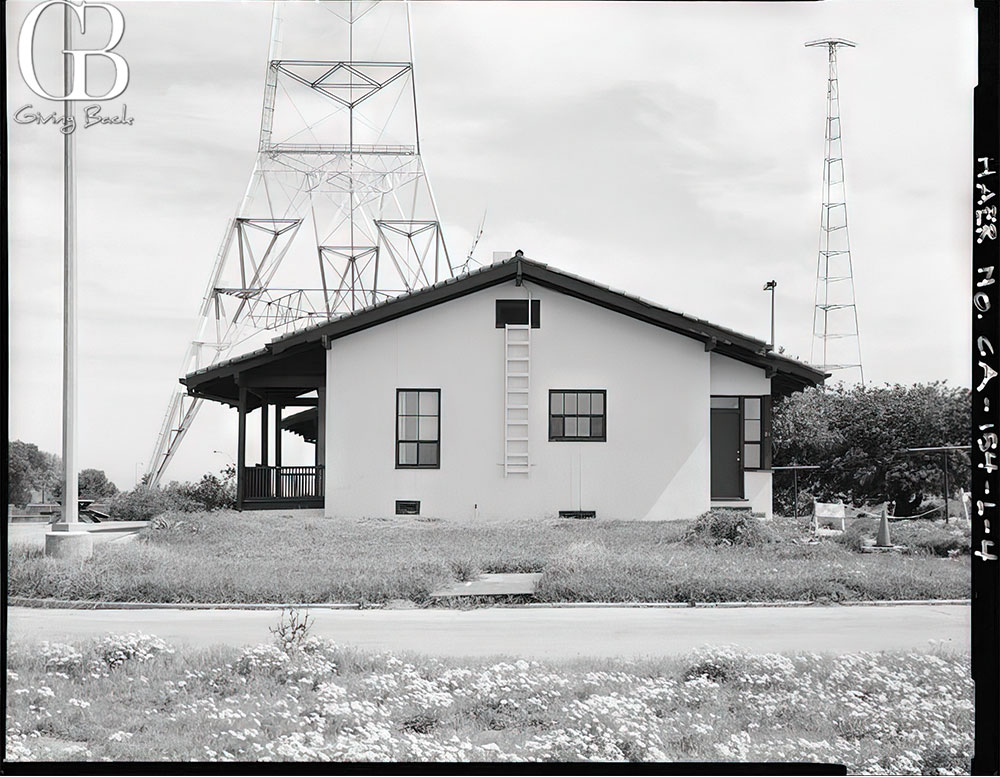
{"points": [[321, 427], [263, 433], [241, 451], [277, 434]]}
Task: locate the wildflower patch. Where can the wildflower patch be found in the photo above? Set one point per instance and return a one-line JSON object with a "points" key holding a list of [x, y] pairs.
{"points": [[133, 698]]}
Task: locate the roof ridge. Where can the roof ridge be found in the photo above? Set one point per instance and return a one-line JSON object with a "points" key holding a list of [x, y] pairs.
{"points": [[545, 275]]}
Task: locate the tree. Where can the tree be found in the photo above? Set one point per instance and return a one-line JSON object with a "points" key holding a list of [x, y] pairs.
{"points": [[29, 469], [91, 484], [859, 436], [94, 484]]}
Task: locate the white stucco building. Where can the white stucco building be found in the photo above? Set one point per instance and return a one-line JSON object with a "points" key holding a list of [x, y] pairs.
{"points": [[516, 391]]}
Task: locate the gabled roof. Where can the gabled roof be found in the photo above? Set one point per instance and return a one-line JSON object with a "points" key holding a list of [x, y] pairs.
{"points": [[788, 375]]}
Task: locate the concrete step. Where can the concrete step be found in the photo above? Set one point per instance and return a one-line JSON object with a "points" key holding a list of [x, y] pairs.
{"points": [[730, 504], [500, 584]]}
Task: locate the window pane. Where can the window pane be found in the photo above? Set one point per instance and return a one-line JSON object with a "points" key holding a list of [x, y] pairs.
{"points": [[556, 403], [555, 427], [583, 426], [428, 429], [571, 427], [751, 456], [751, 432], [726, 402], [428, 403], [407, 428], [570, 403], [407, 453], [597, 403], [428, 453], [751, 407], [408, 402], [596, 427], [583, 403]]}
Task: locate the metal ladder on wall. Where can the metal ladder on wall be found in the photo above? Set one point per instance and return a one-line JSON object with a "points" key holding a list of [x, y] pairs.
{"points": [[517, 364]]}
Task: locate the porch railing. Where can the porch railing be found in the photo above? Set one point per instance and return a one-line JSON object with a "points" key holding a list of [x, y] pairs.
{"points": [[282, 483]]}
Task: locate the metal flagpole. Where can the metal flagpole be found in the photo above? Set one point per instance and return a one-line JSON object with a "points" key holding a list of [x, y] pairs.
{"points": [[70, 512], [68, 539]]}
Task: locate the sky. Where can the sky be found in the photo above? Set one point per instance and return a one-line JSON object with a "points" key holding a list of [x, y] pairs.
{"points": [[671, 150]]}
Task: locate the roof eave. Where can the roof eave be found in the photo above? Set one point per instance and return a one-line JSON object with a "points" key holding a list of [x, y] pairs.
{"points": [[724, 341]]}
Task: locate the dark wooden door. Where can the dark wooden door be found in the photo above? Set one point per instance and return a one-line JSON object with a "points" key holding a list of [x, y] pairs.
{"points": [[727, 469]]}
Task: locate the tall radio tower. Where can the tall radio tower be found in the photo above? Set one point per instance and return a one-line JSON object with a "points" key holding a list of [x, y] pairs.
{"points": [[338, 214], [835, 316]]}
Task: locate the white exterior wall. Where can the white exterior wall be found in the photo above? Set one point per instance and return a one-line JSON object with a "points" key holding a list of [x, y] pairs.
{"points": [[653, 466], [733, 378]]}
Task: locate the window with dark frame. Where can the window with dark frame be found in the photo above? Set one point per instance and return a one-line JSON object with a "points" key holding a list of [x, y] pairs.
{"points": [[515, 311], [418, 428], [752, 433], [578, 414]]}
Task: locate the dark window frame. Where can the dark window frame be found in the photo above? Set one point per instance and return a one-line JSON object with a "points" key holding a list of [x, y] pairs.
{"points": [[766, 441], [603, 415], [535, 314], [418, 441]]}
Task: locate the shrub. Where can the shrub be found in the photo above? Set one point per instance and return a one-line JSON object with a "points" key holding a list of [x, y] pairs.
{"points": [[728, 663], [140, 504], [59, 657], [728, 527], [115, 649], [261, 660], [465, 570], [144, 502], [209, 493], [291, 634]]}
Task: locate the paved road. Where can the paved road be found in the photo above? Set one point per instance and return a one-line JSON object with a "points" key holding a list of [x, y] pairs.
{"points": [[535, 633]]}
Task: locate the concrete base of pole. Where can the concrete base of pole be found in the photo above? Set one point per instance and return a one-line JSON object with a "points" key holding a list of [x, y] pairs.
{"points": [[64, 543]]}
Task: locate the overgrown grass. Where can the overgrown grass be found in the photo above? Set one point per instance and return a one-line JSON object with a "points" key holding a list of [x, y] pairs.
{"points": [[312, 700], [920, 537], [229, 557]]}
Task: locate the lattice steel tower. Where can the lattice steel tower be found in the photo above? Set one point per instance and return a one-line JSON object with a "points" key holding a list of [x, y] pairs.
{"points": [[338, 214], [835, 314]]}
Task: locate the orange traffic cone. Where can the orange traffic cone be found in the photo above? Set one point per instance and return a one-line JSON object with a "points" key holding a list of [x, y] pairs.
{"points": [[882, 540]]}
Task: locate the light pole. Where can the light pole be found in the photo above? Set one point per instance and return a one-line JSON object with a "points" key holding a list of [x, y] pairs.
{"points": [[770, 286], [67, 539]]}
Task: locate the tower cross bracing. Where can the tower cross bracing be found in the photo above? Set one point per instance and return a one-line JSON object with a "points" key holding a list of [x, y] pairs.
{"points": [[338, 214]]}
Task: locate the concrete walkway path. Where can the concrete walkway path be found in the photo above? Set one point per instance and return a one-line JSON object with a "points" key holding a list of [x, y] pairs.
{"points": [[535, 632]]}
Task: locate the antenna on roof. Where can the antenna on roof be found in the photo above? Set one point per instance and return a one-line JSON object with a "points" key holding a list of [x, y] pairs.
{"points": [[469, 258]]}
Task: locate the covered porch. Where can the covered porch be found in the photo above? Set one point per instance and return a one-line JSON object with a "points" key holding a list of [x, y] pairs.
{"points": [[283, 394], [269, 483]]}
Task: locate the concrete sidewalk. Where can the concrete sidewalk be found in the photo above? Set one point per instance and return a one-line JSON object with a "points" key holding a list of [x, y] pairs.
{"points": [[535, 632], [32, 535]]}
